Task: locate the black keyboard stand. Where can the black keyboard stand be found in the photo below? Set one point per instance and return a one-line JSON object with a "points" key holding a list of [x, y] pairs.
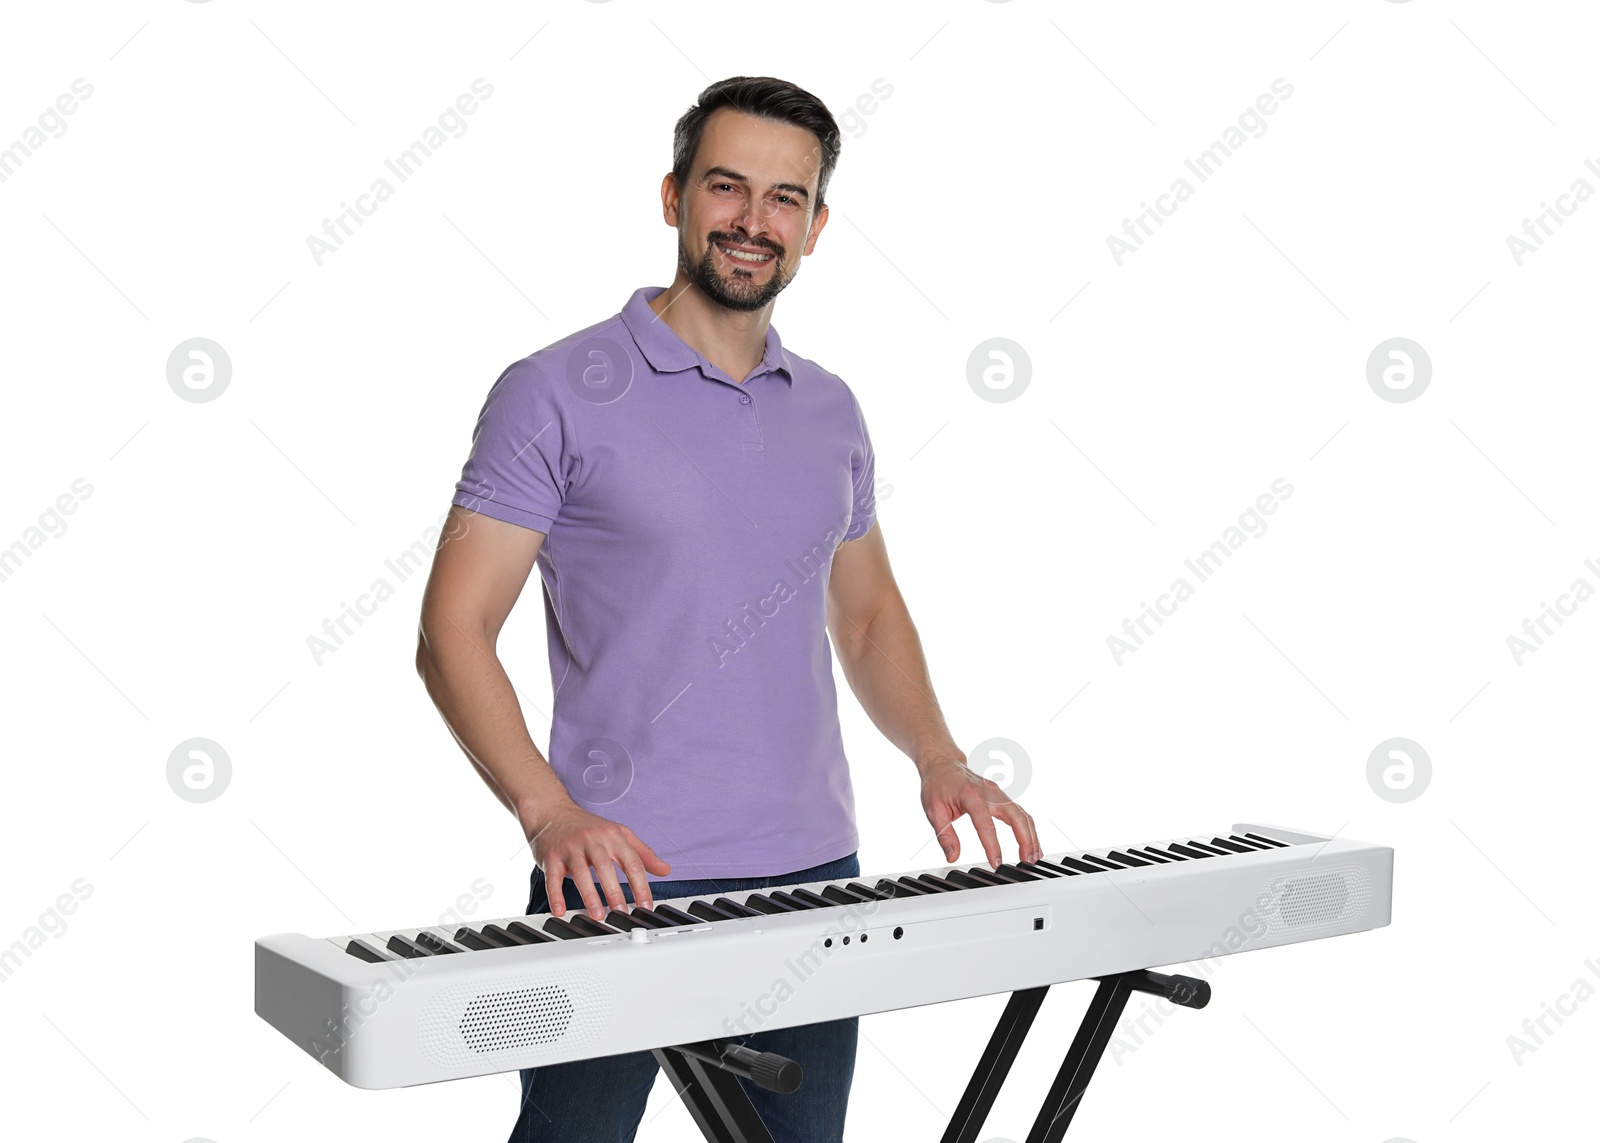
{"points": [[1099, 1022], [704, 1073]]}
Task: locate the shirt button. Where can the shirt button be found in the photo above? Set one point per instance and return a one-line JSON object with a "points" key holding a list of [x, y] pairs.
{"points": [[744, 398]]}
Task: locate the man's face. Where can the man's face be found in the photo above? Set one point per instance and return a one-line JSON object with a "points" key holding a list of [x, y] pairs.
{"points": [[745, 218]]}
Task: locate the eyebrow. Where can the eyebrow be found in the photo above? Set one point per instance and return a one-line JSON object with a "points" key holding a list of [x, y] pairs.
{"points": [[735, 176]]}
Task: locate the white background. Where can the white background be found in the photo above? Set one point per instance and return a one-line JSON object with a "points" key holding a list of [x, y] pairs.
{"points": [[974, 201]]}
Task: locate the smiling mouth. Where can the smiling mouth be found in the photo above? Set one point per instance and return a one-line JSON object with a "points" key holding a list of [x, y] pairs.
{"points": [[743, 258]]}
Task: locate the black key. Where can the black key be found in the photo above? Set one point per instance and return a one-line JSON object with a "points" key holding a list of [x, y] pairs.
{"points": [[434, 945], [910, 887], [1052, 867], [1187, 851], [590, 927], [797, 902], [986, 876], [1005, 870], [1230, 846], [939, 885], [523, 934], [965, 880], [1268, 840], [1101, 861], [709, 912], [366, 952], [405, 948], [562, 927], [649, 920], [1246, 841], [729, 905], [865, 891], [1211, 849], [1159, 858], [1038, 870], [675, 915], [472, 940], [815, 900], [1081, 867], [767, 905], [619, 920], [1127, 858], [841, 896], [499, 938]]}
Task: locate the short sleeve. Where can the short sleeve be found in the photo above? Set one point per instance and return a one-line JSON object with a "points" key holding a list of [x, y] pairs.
{"points": [[864, 503], [522, 455]]}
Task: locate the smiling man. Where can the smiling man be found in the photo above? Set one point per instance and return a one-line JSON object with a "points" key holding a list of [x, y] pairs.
{"points": [[699, 501]]}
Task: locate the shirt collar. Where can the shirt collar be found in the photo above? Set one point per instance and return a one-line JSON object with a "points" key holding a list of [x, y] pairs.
{"points": [[668, 353]]}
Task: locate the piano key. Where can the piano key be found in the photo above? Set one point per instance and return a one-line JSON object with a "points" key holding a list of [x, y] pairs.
{"points": [[1040, 871], [1074, 863], [938, 884], [676, 915], [1153, 855], [1187, 851], [649, 920], [729, 905], [814, 900], [1252, 844], [406, 948], [840, 895], [523, 934], [562, 927], [987, 876], [360, 948], [1269, 840], [1211, 849], [966, 880], [1012, 873], [622, 922], [868, 891], [767, 905], [1230, 846], [909, 887], [472, 940], [1054, 868], [798, 902], [436, 945], [709, 912], [1128, 858], [1104, 863], [590, 927]]}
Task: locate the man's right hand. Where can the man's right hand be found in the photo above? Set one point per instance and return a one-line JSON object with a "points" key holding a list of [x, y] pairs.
{"points": [[571, 840]]}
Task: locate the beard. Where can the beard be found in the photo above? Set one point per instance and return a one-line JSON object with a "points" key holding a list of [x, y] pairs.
{"points": [[738, 290]]}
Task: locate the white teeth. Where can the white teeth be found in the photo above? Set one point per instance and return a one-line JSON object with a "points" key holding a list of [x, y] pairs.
{"points": [[743, 257]]}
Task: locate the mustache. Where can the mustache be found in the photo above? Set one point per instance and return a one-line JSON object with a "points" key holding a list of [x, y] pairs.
{"points": [[730, 240]]}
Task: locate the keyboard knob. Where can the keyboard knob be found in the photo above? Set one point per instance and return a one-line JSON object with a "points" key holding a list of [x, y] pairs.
{"points": [[639, 936]]}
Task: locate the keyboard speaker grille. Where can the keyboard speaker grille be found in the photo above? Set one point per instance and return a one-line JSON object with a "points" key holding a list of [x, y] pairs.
{"points": [[465, 1024], [1312, 900]]}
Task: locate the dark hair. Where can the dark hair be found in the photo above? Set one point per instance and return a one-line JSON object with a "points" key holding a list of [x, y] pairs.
{"points": [[770, 99]]}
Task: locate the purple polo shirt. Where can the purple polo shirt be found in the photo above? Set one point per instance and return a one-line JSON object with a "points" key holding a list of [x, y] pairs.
{"points": [[690, 523]]}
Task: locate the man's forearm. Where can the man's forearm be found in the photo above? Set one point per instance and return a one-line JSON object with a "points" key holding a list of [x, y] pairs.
{"points": [[470, 687], [885, 667]]}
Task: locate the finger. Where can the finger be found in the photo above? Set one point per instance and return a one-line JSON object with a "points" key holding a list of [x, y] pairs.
{"points": [[945, 831], [608, 883], [585, 883], [1022, 826], [983, 822], [554, 874], [652, 861], [637, 881]]}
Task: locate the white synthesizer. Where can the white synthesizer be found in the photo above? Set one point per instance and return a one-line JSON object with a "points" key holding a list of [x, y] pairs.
{"points": [[414, 1006]]}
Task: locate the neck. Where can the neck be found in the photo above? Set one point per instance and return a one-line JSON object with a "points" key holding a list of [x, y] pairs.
{"points": [[732, 340]]}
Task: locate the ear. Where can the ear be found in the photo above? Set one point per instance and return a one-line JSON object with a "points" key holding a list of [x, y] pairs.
{"points": [[815, 232], [669, 200]]}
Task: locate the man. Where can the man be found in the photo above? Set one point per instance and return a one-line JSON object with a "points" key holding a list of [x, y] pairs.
{"points": [[700, 503]]}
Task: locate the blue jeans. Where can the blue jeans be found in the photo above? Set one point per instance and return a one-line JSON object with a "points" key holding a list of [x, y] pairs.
{"points": [[602, 1100]]}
